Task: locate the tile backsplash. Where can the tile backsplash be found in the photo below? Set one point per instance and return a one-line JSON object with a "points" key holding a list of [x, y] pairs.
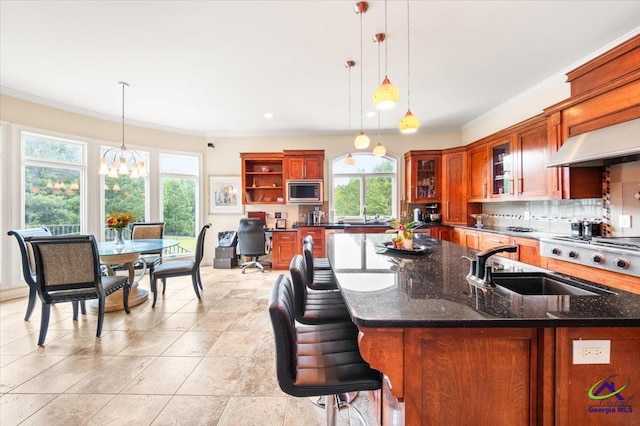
{"points": [[621, 189]]}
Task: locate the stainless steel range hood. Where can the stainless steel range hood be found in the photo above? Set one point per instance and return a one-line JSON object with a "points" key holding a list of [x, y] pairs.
{"points": [[614, 144]]}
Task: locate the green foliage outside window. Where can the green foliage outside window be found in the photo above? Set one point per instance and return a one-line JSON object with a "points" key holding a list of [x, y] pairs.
{"points": [[377, 178]]}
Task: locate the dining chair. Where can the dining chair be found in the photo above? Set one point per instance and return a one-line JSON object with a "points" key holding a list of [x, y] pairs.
{"points": [[29, 267], [68, 269], [181, 268], [145, 231]]}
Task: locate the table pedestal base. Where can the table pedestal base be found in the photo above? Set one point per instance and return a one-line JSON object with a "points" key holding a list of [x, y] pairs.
{"points": [[114, 301]]}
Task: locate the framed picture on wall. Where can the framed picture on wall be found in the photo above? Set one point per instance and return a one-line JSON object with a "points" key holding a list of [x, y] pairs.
{"points": [[224, 194]]}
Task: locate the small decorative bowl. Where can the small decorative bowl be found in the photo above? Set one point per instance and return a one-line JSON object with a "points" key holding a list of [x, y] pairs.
{"points": [[264, 168]]}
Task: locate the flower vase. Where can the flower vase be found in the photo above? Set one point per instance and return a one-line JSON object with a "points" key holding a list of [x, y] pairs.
{"points": [[407, 239], [118, 241]]}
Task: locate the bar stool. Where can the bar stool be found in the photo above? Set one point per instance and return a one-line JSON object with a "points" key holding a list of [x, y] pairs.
{"points": [[321, 263], [317, 360], [317, 279], [314, 306]]}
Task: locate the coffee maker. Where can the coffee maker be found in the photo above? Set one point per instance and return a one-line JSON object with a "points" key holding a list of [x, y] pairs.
{"points": [[433, 213]]}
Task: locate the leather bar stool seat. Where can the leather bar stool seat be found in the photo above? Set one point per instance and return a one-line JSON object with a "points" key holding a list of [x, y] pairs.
{"points": [[314, 306], [319, 263], [316, 360], [317, 279]]}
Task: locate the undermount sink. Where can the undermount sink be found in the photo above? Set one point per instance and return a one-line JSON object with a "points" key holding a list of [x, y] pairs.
{"points": [[542, 284]]}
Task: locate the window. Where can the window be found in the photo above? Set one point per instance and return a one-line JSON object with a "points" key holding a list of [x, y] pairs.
{"points": [[179, 177], [126, 195], [53, 182], [370, 182]]}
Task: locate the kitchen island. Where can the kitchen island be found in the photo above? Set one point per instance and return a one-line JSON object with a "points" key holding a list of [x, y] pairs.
{"points": [[455, 357]]}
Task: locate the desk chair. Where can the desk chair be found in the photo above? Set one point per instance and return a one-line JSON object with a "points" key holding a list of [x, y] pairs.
{"points": [[68, 270], [145, 231], [181, 268], [316, 360], [251, 243], [29, 267]]}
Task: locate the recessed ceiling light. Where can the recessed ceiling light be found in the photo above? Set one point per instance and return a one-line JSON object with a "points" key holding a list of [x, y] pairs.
{"points": [[371, 114], [268, 115]]}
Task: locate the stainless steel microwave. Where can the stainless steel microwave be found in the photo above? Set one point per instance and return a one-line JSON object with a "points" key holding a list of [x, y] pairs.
{"points": [[304, 191]]}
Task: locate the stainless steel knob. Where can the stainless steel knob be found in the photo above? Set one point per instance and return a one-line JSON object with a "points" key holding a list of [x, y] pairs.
{"points": [[556, 251], [621, 263], [573, 254], [597, 258]]}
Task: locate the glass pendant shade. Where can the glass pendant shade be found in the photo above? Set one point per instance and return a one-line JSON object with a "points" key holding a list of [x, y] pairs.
{"points": [[409, 123], [349, 161], [379, 150], [386, 96], [361, 141]]}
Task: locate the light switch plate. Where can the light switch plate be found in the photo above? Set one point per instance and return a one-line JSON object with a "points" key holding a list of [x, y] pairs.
{"points": [[624, 220], [592, 351]]}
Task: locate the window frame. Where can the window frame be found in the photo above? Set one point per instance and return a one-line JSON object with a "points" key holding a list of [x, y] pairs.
{"points": [[394, 176], [82, 168]]}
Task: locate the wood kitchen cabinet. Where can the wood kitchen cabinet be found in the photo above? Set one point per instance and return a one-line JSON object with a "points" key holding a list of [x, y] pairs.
{"points": [[422, 176], [284, 247], [532, 145], [467, 237], [303, 164], [262, 178], [501, 168], [528, 250], [454, 187], [575, 382], [478, 172], [440, 232], [317, 233]]}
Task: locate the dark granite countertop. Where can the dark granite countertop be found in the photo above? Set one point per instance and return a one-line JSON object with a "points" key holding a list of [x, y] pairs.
{"points": [[430, 290], [534, 235]]}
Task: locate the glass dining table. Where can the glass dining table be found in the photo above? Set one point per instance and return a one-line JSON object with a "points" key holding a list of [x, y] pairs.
{"points": [[112, 256]]}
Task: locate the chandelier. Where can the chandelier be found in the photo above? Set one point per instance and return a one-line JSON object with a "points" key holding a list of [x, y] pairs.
{"points": [[362, 140], [387, 94], [122, 161], [409, 123]]}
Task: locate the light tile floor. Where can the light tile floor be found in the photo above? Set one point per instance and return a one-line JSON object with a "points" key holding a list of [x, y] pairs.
{"points": [[186, 362]]}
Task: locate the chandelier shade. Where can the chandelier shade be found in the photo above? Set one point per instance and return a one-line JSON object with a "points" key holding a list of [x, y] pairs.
{"points": [[386, 95], [349, 160], [409, 123], [379, 150], [361, 141], [122, 161]]}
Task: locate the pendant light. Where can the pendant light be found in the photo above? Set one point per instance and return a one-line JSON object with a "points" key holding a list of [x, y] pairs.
{"points": [[361, 141], [379, 150], [409, 123], [387, 94], [121, 157], [349, 160]]}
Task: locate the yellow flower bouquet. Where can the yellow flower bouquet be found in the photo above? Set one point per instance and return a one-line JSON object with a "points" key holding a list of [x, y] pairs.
{"points": [[118, 220]]}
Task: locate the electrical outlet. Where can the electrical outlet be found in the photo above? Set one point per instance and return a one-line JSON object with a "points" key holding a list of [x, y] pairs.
{"points": [[527, 215], [624, 220], [592, 351]]}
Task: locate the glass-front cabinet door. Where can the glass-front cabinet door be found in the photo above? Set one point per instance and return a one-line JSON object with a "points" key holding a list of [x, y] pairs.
{"points": [[423, 177], [501, 157]]}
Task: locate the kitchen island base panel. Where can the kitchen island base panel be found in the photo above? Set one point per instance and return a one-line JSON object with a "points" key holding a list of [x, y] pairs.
{"points": [[448, 376]]}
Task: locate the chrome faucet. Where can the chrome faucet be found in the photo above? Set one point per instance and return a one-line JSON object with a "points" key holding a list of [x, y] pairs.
{"points": [[364, 213], [481, 259]]}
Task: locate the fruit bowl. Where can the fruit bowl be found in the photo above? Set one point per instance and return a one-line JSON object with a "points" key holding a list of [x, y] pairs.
{"points": [[478, 217]]}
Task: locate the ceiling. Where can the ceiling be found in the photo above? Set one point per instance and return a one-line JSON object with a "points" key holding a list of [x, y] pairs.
{"points": [[215, 67]]}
